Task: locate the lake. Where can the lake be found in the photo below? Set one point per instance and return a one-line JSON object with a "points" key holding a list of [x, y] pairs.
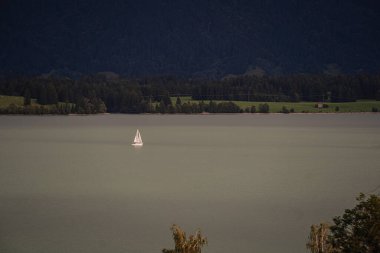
{"points": [[252, 183]]}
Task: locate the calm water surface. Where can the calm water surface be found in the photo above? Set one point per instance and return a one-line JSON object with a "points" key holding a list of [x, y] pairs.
{"points": [[252, 183]]}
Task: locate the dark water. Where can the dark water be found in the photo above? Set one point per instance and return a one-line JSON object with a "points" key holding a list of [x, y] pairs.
{"points": [[252, 183]]}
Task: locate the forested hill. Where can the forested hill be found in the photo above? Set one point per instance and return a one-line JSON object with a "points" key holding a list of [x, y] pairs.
{"points": [[210, 38]]}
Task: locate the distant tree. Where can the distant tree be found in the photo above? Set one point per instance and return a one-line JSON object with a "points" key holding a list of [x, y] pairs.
{"points": [[51, 93], [295, 97], [68, 108], [100, 106], [150, 108], [12, 109], [284, 110], [212, 107], [263, 108], [162, 107], [227, 107], [202, 106], [42, 95], [53, 109], [27, 97], [195, 108], [86, 106], [178, 108], [144, 107], [40, 110], [186, 107], [171, 109], [166, 99], [253, 109], [178, 101], [178, 105]]}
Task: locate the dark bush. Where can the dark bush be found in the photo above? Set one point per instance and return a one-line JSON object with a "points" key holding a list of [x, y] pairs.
{"points": [[264, 108]]}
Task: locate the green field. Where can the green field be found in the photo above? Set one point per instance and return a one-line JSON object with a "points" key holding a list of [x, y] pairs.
{"points": [[5, 101], [358, 106]]}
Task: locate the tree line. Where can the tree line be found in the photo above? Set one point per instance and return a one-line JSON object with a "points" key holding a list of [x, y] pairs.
{"points": [[100, 93], [291, 88]]}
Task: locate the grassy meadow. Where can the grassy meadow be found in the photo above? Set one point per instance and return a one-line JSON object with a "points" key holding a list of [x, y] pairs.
{"points": [[18, 102], [5, 101]]}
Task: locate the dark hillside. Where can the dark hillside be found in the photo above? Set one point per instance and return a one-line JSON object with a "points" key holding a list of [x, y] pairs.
{"points": [[205, 38]]}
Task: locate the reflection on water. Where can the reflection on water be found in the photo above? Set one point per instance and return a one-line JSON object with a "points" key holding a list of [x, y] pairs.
{"points": [[252, 183]]}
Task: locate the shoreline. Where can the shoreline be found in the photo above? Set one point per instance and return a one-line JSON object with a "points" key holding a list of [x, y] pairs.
{"points": [[190, 114]]}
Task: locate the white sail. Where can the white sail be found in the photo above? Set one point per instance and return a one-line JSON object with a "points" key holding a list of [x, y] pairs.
{"points": [[138, 140]]}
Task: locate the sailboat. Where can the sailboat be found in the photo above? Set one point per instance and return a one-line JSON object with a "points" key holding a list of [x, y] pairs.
{"points": [[137, 141]]}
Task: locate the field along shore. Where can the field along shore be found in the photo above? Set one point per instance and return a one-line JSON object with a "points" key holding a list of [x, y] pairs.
{"points": [[359, 106]]}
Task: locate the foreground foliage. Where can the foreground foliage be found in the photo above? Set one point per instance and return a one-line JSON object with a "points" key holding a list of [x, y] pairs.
{"points": [[318, 238], [356, 231], [182, 244]]}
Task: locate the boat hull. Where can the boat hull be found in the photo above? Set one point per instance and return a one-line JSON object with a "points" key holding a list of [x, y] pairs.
{"points": [[137, 144]]}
